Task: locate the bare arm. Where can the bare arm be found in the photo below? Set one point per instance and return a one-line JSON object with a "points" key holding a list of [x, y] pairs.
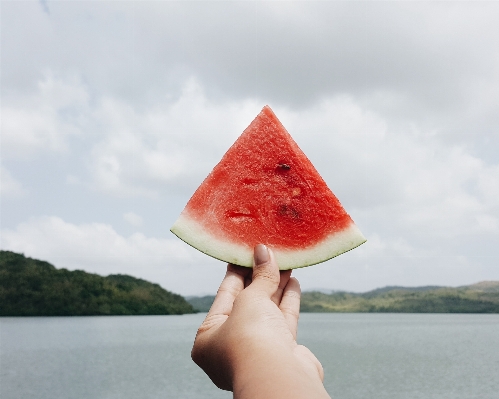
{"points": [[247, 343]]}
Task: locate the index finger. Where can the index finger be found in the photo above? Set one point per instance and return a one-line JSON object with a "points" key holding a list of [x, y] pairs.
{"points": [[231, 286], [290, 305]]}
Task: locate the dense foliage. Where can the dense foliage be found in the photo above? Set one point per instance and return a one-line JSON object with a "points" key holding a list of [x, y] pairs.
{"points": [[29, 287], [478, 298]]}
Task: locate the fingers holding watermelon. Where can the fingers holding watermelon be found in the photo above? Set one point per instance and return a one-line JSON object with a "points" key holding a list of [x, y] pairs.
{"points": [[284, 279], [266, 276], [233, 283]]}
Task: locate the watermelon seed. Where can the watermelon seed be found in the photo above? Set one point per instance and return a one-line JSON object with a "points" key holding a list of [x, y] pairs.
{"points": [[284, 166], [285, 210]]}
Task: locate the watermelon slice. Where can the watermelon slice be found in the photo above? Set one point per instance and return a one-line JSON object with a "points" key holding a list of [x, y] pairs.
{"points": [[265, 190]]}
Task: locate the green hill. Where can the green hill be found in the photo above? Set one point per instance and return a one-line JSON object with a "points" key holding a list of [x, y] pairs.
{"points": [[477, 298], [201, 303], [30, 287]]}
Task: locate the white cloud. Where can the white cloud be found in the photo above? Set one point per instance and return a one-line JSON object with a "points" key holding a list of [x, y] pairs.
{"points": [[127, 150], [134, 219], [174, 141], [10, 188], [98, 248], [45, 119]]}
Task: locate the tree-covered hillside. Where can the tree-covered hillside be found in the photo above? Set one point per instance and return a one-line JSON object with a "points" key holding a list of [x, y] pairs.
{"points": [[477, 298], [30, 287]]}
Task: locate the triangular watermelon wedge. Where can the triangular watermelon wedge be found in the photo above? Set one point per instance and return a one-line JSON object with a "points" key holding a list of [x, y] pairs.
{"points": [[265, 190]]}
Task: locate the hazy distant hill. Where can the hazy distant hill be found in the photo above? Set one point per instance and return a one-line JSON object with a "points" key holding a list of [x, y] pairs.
{"points": [[485, 286], [201, 303], [477, 298], [30, 287]]}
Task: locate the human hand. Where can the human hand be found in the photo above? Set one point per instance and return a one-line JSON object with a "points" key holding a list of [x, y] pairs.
{"points": [[247, 342]]}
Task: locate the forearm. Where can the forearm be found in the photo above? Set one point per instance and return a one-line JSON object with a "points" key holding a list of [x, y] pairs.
{"points": [[277, 374]]}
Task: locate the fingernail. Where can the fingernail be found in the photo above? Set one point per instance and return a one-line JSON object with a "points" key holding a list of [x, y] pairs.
{"points": [[261, 254]]}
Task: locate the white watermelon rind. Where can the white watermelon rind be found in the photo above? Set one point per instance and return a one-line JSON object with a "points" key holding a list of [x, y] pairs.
{"points": [[194, 234]]}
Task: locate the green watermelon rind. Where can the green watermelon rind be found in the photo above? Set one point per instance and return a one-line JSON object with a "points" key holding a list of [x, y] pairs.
{"points": [[337, 243]]}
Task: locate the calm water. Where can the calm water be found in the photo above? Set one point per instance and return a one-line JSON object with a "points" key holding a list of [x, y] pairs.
{"points": [[365, 356]]}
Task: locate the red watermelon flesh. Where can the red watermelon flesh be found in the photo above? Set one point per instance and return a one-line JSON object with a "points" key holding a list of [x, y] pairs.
{"points": [[265, 190]]}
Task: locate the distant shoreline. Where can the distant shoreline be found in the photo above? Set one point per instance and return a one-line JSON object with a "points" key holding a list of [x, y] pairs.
{"points": [[30, 287], [481, 298]]}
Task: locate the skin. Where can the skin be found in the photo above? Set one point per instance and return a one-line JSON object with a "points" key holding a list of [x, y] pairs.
{"points": [[247, 343]]}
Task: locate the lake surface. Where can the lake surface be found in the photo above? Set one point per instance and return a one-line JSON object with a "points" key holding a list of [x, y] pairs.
{"points": [[379, 356]]}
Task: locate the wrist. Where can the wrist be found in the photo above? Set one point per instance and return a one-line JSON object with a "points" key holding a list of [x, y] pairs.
{"points": [[277, 373]]}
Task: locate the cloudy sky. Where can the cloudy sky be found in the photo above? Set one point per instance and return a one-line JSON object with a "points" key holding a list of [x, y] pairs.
{"points": [[112, 113]]}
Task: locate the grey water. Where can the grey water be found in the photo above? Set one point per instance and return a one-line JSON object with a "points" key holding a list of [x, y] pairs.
{"points": [[379, 356]]}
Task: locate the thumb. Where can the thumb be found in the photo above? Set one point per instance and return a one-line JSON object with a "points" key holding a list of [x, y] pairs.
{"points": [[265, 271]]}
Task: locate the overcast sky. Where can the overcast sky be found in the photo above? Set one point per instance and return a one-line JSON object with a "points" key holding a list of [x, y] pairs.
{"points": [[112, 113]]}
